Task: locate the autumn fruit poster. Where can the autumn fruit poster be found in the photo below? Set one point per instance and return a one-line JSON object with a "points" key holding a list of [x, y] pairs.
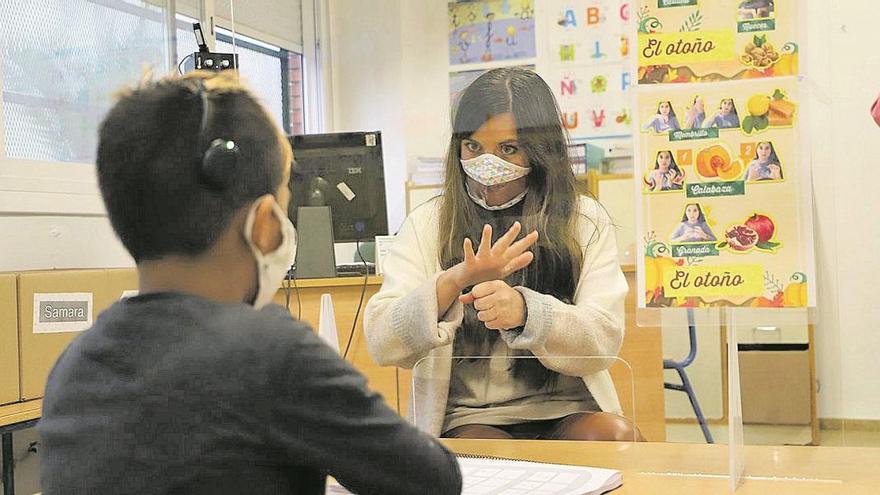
{"points": [[725, 213]]}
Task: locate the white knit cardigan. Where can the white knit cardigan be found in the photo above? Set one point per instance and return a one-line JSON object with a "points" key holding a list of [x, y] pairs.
{"points": [[403, 328]]}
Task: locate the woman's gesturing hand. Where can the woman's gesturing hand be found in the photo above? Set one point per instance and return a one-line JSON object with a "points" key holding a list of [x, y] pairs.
{"points": [[494, 261]]}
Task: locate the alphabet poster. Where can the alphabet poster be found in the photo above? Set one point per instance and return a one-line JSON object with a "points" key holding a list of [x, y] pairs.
{"points": [[725, 215], [491, 30], [684, 41], [586, 32], [588, 49]]}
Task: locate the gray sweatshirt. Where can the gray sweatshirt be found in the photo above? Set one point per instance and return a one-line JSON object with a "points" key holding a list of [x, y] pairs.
{"points": [[171, 393]]}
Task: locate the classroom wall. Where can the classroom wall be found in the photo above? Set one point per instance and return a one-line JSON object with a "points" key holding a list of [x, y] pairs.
{"points": [[425, 77], [60, 225], [844, 80], [393, 80]]}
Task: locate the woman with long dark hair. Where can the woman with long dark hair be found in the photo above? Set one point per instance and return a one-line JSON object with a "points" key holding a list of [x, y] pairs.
{"points": [[500, 326], [765, 165], [693, 226], [664, 120], [666, 175], [726, 117]]}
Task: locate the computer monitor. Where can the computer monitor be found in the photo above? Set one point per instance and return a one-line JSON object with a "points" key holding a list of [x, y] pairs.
{"points": [[345, 172]]}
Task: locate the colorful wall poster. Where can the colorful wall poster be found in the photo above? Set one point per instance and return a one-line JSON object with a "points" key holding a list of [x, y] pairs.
{"points": [[587, 51], [491, 30], [583, 32], [681, 41], [724, 215]]}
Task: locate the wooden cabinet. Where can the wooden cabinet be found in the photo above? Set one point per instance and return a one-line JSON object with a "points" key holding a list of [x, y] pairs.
{"points": [[643, 352], [345, 292], [9, 377]]}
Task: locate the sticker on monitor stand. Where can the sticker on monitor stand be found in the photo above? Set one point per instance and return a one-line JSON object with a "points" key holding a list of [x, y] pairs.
{"points": [[345, 190], [62, 312]]}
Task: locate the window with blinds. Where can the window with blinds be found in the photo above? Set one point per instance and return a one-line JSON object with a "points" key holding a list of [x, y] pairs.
{"points": [[61, 62]]}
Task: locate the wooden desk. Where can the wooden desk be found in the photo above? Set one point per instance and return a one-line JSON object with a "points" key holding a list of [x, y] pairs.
{"points": [[655, 468], [20, 412], [15, 417]]}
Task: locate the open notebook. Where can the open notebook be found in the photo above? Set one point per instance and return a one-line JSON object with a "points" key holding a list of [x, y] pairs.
{"points": [[483, 476]]}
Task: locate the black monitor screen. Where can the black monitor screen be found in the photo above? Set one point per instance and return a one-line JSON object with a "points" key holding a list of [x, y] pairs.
{"points": [[343, 171]]}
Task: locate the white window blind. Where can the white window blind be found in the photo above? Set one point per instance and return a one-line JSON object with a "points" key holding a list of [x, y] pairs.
{"points": [[61, 62]]}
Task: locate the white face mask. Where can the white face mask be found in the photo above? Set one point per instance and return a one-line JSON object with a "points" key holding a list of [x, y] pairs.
{"points": [[271, 267], [490, 170], [481, 201]]}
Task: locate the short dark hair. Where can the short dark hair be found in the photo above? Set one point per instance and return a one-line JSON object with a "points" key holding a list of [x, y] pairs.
{"points": [[150, 162]]}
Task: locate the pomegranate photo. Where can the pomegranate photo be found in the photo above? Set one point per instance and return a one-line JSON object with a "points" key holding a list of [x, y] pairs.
{"points": [[741, 238], [762, 225]]}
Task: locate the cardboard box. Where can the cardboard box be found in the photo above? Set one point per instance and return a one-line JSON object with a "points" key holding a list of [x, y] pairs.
{"points": [[66, 302], [775, 387], [10, 384]]}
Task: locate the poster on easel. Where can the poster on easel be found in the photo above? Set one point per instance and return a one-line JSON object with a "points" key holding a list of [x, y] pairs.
{"points": [[485, 31], [687, 41], [586, 64], [724, 211]]}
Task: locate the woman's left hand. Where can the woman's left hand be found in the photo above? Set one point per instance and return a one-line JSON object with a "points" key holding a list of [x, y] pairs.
{"points": [[499, 306]]}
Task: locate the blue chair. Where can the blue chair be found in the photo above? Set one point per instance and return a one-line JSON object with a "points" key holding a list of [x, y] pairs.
{"points": [[679, 366]]}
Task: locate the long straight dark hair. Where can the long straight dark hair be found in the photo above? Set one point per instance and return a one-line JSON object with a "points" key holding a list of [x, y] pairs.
{"points": [[550, 205]]}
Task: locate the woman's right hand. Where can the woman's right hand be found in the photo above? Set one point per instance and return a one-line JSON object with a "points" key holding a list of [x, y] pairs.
{"points": [[493, 261]]}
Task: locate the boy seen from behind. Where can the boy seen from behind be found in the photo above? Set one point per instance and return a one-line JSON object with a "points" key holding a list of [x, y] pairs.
{"points": [[198, 385]]}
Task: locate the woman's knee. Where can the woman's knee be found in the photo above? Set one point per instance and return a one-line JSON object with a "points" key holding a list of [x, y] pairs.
{"points": [[477, 431], [599, 426]]}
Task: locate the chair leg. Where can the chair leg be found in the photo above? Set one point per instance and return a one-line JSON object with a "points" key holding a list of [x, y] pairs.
{"points": [[695, 404]]}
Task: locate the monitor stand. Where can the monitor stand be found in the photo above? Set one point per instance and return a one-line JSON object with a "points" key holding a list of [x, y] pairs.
{"points": [[315, 257]]}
